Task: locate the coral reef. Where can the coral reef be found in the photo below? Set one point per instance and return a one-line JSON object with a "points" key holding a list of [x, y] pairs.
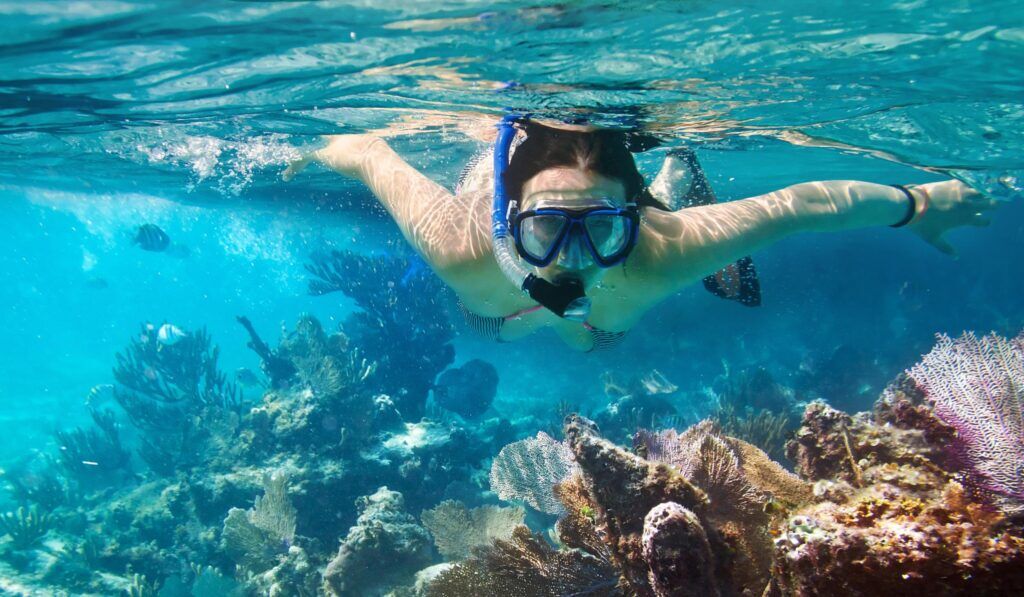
{"points": [[169, 392], [889, 519], [385, 548], [693, 513], [401, 326], [308, 491]]}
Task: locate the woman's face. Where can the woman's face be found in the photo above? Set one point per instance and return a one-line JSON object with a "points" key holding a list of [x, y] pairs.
{"points": [[572, 188]]}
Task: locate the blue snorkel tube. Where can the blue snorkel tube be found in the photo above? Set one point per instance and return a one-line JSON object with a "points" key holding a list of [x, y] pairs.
{"points": [[567, 298]]}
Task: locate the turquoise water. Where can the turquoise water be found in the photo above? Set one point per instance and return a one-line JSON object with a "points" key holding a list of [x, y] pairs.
{"points": [[117, 114]]}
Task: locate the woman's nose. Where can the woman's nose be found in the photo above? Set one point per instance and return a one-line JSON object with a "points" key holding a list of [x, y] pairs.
{"points": [[573, 255]]}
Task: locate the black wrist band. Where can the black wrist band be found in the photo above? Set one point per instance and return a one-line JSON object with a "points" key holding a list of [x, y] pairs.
{"points": [[911, 211]]}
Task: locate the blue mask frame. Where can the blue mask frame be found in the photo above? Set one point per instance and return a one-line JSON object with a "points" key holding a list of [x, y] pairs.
{"points": [[575, 227]]}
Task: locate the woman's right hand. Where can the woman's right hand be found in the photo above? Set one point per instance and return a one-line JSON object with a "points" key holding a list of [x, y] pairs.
{"points": [[343, 153], [945, 205]]}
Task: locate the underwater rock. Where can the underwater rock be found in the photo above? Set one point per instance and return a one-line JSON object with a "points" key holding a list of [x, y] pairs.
{"points": [[624, 488], [677, 552], [294, 575], [384, 549], [891, 518], [468, 390]]}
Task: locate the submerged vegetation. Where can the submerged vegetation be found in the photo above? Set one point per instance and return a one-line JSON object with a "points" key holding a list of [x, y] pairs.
{"points": [[188, 488]]}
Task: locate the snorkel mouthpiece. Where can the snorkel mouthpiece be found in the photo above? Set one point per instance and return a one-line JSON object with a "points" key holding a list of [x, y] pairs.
{"points": [[566, 297]]}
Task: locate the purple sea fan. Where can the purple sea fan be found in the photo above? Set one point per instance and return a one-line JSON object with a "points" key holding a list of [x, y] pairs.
{"points": [[976, 385]]}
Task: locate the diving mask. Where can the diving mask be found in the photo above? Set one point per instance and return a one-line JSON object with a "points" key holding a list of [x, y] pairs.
{"points": [[609, 233]]}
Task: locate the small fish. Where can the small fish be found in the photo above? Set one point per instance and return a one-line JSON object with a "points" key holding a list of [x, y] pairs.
{"points": [[151, 237], [246, 377], [99, 395], [169, 334]]}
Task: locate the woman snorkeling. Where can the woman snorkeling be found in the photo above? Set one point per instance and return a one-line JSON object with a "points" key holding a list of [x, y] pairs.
{"points": [[557, 228]]}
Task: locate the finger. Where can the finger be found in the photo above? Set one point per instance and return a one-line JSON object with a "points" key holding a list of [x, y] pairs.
{"points": [[294, 168]]}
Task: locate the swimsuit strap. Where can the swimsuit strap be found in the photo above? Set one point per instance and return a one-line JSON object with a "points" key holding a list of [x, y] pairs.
{"points": [[522, 312]]}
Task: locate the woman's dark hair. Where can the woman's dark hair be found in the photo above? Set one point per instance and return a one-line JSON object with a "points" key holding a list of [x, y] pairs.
{"points": [[604, 151]]}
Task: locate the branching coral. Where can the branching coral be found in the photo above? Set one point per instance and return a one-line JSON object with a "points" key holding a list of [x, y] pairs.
{"points": [[95, 455], [526, 566], [25, 526], [765, 429], [184, 373], [976, 386], [402, 324], [37, 483], [167, 390], [457, 529], [280, 370]]}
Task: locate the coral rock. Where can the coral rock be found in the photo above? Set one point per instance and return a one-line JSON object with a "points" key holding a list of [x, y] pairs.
{"points": [[678, 553], [385, 549], [624, 488]]}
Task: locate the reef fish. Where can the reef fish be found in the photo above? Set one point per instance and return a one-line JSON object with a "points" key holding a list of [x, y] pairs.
{"points": [[151, 237], [247, 378], [169, 334], [467, 390]]}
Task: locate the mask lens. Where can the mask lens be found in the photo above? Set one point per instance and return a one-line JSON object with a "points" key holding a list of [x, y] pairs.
{"points": [[540, 233], [608, 233]]}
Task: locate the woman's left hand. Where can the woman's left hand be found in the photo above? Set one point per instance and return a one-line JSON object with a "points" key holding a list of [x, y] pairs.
{"points": [[942, 206]]}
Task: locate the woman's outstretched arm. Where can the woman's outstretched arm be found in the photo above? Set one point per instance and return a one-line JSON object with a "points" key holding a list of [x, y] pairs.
{"points": [[430, 218], [681, 247]]}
